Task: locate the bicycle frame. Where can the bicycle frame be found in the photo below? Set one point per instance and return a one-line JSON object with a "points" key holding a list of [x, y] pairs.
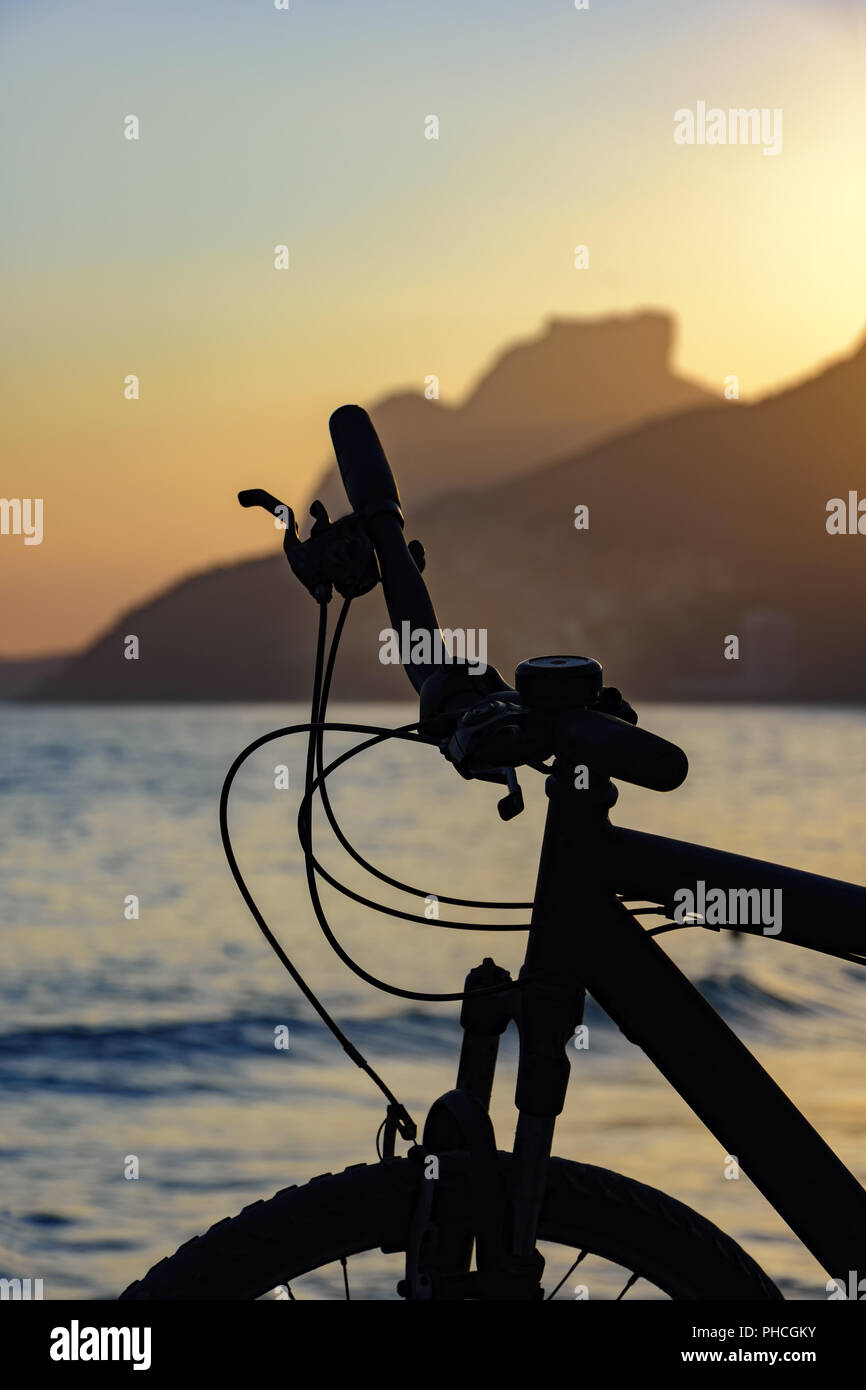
{"points": [[603, 949], [558, 706]]}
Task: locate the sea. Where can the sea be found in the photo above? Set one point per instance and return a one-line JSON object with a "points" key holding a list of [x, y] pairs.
{"points": [[159, 1069]]}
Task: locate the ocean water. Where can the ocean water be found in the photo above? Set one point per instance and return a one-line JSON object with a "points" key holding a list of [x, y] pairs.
{"points": [[154, 1037]]}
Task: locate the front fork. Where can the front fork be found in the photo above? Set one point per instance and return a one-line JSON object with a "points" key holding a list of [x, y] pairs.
{"points": [[552, 999], [547, 1010]]}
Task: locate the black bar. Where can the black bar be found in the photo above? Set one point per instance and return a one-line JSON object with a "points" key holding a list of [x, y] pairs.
{"points": [[250, 1340], [821, 913], [658, 1008], [368, 479]]}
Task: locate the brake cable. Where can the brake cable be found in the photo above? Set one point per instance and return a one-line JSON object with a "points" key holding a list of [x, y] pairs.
{"points": [[305, 832], [304, 813], [379, 735], [680, 926], [319, 785], [350, 849], [397, 1113]]}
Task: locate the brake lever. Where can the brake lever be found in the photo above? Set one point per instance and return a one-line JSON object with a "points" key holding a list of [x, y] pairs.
{"points": [[336, 554], [512, 804], [492, 739]]}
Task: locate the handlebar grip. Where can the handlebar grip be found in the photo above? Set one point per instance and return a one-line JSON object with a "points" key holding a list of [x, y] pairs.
{"points": [[365, 471], [626, 752], [368, 479]]}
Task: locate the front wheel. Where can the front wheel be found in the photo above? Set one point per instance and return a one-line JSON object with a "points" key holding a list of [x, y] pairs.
{"points": [[316, 1229]]}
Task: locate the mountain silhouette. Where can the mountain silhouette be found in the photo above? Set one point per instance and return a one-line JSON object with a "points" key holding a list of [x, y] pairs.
{"points": [[21, 675], [702, 526], [579, 381]]}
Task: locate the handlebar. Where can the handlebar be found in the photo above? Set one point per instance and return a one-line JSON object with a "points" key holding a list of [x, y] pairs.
{"points": [[627, 753], [369, 483], [365, 471]]}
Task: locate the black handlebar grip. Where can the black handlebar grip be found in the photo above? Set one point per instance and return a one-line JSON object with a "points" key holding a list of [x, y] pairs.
{"points": [[368, 479], [626, 752], [365, 471]]}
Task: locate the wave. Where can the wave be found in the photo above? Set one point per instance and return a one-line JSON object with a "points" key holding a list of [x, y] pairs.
{"points": [[203, 1053]]}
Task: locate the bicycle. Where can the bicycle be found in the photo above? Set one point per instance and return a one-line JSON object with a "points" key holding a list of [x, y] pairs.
{"points": [[466, 1217]]}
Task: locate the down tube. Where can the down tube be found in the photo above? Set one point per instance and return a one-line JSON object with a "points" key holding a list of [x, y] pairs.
{"points": [[657, 1008]]}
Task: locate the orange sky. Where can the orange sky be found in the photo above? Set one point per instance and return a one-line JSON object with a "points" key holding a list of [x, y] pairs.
{"points": [[408, 256]]}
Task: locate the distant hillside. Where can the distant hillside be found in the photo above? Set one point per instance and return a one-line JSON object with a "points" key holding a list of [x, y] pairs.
{"points": [[702, 525], [20, 675], [578, 382], [708, 524]]}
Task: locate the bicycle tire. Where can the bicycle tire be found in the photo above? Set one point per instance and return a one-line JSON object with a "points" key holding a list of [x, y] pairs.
{"points": [[366, 1207]]}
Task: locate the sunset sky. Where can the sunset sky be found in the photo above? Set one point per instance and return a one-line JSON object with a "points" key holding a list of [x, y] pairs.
{"points": [[408, 256]]}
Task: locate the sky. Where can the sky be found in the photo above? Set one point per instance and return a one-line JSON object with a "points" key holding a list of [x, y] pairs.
{"points": [[408, 256]]}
